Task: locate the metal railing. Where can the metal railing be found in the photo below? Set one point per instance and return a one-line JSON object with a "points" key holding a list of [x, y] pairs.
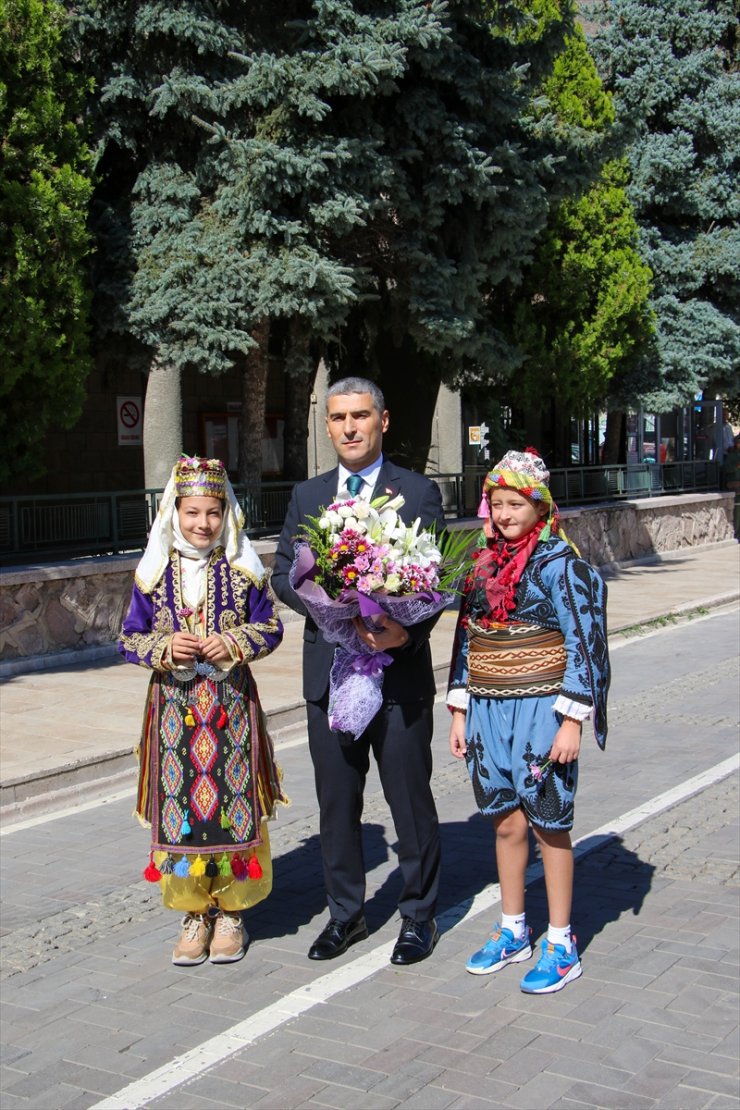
{"points": [[50, 526]]}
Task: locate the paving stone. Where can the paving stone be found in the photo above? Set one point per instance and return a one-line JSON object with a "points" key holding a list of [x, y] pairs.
{"points": [[215, 1088], [407, 1079], [571, 1104], [655, 1078], [687, 1098], [458, 1059], [342, 1098], [541, 1091], [359, 1079], [296, 1092], [474, 1085], [470, 1102], [571, 1067], [607, 1098], [508, 1040], [709, 1081], [89, 1079], [430, 1098], [10, 1101], [60, 1096], [712, 1062]]}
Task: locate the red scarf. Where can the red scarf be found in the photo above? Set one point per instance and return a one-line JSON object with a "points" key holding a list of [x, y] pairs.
{"points": [[498, 569]]}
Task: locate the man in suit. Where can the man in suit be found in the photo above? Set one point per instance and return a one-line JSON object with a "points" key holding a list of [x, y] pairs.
{"points": [[400, 734]]}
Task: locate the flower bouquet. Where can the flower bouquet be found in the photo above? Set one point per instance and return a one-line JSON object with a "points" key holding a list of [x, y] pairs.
{"points": [[358, 558]]}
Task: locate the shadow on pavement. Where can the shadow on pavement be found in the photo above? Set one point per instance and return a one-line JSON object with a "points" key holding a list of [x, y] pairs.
{"points": [[609, 882]]}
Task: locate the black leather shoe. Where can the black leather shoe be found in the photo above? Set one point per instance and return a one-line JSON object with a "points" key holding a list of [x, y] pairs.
{"points": [[415, 942], [337, 937]]}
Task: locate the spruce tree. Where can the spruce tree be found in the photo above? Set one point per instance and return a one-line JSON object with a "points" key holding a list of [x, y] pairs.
{"points": [[355, 177], [44, 193], [673, 69], [479, 160], [225, 192], [581, 315]]}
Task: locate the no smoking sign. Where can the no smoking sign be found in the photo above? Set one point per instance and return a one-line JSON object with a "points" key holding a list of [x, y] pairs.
{"points": [[130, 430]]}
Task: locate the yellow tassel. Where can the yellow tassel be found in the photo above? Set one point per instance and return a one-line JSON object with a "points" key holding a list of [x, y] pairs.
{"points": [[197, 867], [189, 718]]}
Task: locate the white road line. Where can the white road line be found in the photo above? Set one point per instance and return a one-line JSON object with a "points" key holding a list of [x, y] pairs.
{"points": [[68, 811], [190, 1065]]}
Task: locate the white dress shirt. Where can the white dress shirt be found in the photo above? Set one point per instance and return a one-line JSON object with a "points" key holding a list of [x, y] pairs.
{"points": [[369, 475]]}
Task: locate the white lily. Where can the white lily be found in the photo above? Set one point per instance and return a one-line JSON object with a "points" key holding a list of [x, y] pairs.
{"points": [[427, 550]]}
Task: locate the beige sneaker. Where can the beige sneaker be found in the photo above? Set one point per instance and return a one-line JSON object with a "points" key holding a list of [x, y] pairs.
{"points": [[230, 939], [192, 945]]}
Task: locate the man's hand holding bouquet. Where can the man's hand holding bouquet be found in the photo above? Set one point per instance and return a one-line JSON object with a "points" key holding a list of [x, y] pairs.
{"points": [[359, 559]]}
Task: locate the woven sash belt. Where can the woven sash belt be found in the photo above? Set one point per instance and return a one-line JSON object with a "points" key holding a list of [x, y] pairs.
{"points": [[515, 661]]}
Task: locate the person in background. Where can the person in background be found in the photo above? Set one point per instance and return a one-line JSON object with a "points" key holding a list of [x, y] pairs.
{"points": [[529, 666], [400, 735], [201, 610]]}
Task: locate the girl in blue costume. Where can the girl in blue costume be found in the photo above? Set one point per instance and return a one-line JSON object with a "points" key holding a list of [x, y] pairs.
{"points": [[530, 664], [201, 611]]}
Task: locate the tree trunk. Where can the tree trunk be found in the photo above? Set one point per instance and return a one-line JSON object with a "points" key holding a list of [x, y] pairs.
{"points": [[254, 394], [614, 438], [162, 424], [300, 372], [410, 381]]}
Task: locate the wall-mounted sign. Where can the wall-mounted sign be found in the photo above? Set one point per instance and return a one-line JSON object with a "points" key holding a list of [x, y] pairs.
{"points": [[130, 414]]}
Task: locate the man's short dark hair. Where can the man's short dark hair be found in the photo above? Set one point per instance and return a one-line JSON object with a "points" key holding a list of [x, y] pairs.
{"points": [[358, 385]]}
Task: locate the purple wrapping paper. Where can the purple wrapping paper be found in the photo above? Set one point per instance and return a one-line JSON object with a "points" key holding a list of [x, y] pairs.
{"points": [[356, 678]]}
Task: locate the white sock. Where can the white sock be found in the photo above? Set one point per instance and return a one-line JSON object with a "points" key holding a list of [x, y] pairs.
{"points": [[560, 936], [515, 923]]}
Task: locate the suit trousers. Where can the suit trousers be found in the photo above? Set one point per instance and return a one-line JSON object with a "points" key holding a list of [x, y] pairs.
{"points": [[400, 737]]}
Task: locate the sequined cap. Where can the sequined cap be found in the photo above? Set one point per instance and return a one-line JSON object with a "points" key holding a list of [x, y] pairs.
{"points": [[196, 477]]}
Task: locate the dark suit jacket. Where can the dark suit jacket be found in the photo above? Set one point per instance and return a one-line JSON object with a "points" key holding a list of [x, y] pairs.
{"points": [[409, 677]]}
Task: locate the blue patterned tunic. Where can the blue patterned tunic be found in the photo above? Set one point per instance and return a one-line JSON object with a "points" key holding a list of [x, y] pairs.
{"points": [[558, 591]]}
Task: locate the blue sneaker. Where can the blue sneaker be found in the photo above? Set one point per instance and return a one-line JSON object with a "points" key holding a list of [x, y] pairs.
{"points": [[499, 951], [553, 970]]}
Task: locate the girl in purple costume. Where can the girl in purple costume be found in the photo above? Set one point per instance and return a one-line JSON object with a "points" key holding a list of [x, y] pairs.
{"points": [[201, 611]]}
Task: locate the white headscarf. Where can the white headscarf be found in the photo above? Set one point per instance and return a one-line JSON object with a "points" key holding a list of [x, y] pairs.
{"points": [[166, 535]]}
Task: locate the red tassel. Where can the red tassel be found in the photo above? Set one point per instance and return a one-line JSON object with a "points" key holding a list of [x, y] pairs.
{"points": [[239, 867], [152, 874], [223, 720], [255, 870]]}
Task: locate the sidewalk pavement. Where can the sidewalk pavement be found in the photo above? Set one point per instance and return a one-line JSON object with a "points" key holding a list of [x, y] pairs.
{"points": [[79, 722], [93, 1016]]}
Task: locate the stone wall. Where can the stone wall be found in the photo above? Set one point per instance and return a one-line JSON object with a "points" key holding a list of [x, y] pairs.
{"points": [[46, 609], [49, 611], [624, 530]]}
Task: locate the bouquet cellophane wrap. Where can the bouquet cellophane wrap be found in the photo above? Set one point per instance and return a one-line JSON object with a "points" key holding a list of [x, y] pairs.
{"points": [[356, 679]]}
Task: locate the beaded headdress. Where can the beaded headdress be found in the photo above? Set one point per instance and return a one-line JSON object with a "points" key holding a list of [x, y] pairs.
{"points": [[193, 476], [196, 477], [525, 472]]}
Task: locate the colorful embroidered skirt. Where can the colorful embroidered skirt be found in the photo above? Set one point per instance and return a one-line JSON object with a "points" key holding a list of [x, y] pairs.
{"points": [[207, 783]]}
